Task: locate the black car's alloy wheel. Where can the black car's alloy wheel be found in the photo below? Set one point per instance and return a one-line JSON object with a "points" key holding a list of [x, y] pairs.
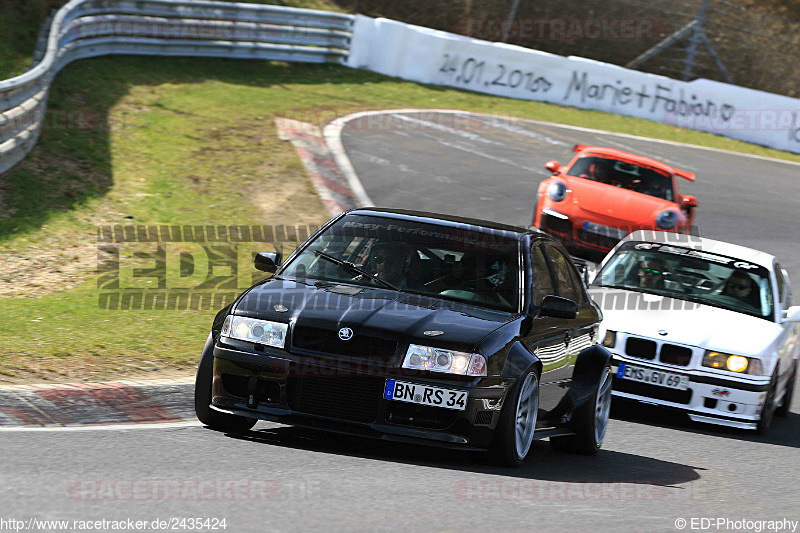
{"points": [[202, 397], [514, 433], [590, 421]]}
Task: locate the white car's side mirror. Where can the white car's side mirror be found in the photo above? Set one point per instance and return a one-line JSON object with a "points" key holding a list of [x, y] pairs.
{"points": [[792, 314]]}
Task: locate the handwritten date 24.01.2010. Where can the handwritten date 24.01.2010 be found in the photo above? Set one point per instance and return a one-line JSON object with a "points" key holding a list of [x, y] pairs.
{"points": [[471, 72]]}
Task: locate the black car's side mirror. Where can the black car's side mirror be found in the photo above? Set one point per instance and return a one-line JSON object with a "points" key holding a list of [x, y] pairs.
{"points": [[583, 269], [267, 261], [558, 307]]}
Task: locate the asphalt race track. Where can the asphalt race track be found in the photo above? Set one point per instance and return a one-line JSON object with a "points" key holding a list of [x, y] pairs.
{"points": [[655, 470], [489, 167]]}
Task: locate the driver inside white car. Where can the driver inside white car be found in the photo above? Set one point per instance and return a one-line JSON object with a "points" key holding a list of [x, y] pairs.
{"points": [[742, 287]]}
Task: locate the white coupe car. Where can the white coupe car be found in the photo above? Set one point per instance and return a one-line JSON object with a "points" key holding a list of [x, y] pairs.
{"points": [[700, 325]]}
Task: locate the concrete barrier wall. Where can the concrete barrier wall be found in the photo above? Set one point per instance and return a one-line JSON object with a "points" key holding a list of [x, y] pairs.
{"points": [[440, 58]]}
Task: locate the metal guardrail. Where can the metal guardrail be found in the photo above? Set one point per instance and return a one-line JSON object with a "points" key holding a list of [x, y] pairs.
{"points": [[90, 28]]}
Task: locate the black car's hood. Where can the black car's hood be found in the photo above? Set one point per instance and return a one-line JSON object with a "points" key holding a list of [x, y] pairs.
{"points": [[366, 309]]}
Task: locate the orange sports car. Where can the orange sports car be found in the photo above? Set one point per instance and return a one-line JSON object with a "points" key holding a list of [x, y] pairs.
{"points": [[603, 194]]}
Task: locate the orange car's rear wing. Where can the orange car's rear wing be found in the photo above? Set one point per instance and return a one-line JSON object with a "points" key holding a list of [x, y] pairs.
{"points": [[685, 174], [578, 147]]}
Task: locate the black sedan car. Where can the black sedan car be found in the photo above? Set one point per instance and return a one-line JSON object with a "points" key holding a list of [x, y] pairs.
{"points": [[418, 328]]}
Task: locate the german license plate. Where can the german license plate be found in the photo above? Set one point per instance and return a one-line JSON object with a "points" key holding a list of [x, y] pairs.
{"points": [[425, 395], [653, 377], [603, 230]]}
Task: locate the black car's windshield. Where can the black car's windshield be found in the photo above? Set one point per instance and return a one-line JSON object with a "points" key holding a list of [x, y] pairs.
{"points": [[645, 180], [464, 263], [689, 274]]}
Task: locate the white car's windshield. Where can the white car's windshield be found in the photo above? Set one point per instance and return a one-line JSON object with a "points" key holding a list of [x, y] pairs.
{"points": [[688, 274], [454, 263]]}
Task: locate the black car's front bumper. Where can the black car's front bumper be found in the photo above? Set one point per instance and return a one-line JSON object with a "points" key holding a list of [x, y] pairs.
{"points": [[317, 394]]}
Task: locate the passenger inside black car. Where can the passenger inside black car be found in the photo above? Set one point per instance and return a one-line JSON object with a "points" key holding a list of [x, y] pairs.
{"points": [[477, 276]]}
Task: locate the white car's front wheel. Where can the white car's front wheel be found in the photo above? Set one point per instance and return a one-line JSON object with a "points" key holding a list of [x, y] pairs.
{"points": [[786, 403], [768, 408]]}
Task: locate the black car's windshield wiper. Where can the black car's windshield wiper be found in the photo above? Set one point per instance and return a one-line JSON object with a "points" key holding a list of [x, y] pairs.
{"points": [[350, 267]]}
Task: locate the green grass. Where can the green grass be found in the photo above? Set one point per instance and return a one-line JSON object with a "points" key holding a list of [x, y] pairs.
{"points": [[183, 141]]}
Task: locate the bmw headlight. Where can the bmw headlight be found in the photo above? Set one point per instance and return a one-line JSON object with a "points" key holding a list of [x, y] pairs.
{"points": [[557, 191], [667, 219], [733, 363], [439, 360], [610, 339], [254, 330]]}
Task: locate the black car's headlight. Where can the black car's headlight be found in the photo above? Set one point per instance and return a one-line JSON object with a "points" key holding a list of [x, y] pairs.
{"points": [[254, 330], [732, 363], [449, 361]]}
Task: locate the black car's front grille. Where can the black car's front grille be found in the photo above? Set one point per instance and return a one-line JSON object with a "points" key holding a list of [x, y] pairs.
{"points": [[653, 391], [235, 385], [676, 355], [346, 398], [483, 418], [641, 348], [328, 341], [422, 416], [602, 241], [556, 225], [262, 390]]}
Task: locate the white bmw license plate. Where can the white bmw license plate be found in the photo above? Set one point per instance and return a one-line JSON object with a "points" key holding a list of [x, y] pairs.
{"points": [[653, 377], [425, 395]]}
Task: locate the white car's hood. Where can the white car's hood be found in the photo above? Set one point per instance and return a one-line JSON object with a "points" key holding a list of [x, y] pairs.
{"points": [[685, 322]]}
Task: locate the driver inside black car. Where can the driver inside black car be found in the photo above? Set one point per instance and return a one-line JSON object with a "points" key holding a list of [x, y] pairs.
{"points": [[390, 262]]}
